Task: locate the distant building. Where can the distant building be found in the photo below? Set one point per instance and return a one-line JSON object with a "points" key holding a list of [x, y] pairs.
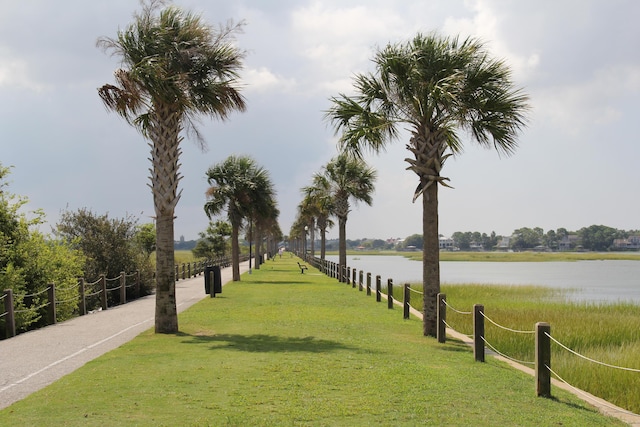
{"points": [[446, 244], [569, 242], [504, 243], [629, 244]]}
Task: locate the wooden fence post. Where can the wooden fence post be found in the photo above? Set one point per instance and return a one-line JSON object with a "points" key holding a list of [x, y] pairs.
{"points": [[51, 312], [378, 285], [543, 359], [183, 272], [103, 294], [407, 301], [188, 269], [442, 318], [389, 293], [83, 302], [10, 319], [177, 276], [478, 332], [360, 280], [353, 277], [123, 287], [368, 284]]}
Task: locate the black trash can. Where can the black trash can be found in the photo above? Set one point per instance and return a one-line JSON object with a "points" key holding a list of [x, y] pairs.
{"points": [[212, 273]]}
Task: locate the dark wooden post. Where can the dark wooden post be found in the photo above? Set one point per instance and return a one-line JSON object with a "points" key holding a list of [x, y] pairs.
{"points": [[212, 289], [407, 301], [123, 287], [103, 294], [83, 301], [442, 318], [378, 285], [543, 359], [183, 272], [478, 332], [10, 319], [389, 293], [353, 277], [189, 269], [360, 280], [368, 284], [51, 312]]}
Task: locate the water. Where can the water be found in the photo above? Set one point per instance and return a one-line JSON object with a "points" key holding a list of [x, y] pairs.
{"points": [[593, 281]]}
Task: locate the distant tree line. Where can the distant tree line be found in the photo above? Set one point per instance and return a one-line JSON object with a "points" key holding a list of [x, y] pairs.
{"points": [[597, 238]]}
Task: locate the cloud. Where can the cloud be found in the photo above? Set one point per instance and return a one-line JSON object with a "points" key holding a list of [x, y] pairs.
{"points": [[262, 79], [14, 73], [598, 100]]}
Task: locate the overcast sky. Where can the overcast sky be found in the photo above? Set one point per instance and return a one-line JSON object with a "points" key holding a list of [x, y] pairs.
{"points": [[578, 161]]}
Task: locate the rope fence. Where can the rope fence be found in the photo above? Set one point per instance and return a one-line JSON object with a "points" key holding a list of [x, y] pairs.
{"points": [[22, 312], [590, 359], [541, 332]]}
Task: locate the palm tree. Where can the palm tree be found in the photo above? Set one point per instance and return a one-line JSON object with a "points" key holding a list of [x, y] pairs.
{"points": [[347, 178], [175, 67], [265, 213], [241, 187], [433, 86], [318, 200]]}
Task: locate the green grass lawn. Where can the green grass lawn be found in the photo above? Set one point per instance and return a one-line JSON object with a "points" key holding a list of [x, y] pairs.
{"points": [[282, 348]]}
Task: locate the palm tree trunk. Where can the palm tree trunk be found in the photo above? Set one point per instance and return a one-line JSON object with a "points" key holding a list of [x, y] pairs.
{"points": [[166, 319], [342, 256], [323, 243], [258, 243], [235, 252], [164, 132], [312, 237], [430, 259]]}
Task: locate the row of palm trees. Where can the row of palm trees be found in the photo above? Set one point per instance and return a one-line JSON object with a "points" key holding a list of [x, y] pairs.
{"points": [[433, 87], [242, 189], [342, 179], [176, 67]]}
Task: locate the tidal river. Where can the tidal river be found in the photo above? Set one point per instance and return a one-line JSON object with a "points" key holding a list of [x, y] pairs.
{"points": [[594, 281]]}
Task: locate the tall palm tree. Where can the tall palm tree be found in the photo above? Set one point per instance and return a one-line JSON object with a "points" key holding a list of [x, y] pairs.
{"points": [[242, 188], [433, 86], [318, 199], [174, 68], [348, 178]]}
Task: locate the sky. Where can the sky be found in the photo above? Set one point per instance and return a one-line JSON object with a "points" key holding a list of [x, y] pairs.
{"points": [[577, 163]]}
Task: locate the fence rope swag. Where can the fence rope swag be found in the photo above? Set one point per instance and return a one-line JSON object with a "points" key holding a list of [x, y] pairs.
{"points": [[457, 311], [588, 358], [451, 327], [505, 356], [505, 328]]}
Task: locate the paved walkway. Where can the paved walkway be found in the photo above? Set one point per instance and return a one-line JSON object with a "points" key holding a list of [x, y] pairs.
{"points": [[35, 359]]}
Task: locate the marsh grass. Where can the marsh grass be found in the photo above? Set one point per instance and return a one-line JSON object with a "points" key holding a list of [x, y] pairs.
{"points": [[608, 333], [528, 256], [282, 348]]}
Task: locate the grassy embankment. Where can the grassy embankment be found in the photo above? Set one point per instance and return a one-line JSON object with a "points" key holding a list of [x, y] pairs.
{"points": [[604, 332], [281, 348]]}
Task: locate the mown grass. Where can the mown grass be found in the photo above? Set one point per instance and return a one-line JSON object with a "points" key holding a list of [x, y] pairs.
{"points": [[282, 348], [604, 332]]}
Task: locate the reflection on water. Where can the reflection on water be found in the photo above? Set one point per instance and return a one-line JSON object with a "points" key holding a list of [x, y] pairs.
{"points": [[593, 280]]}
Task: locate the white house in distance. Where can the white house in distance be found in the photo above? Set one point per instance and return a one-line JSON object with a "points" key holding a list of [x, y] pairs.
{"points": [[446, 244]]}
